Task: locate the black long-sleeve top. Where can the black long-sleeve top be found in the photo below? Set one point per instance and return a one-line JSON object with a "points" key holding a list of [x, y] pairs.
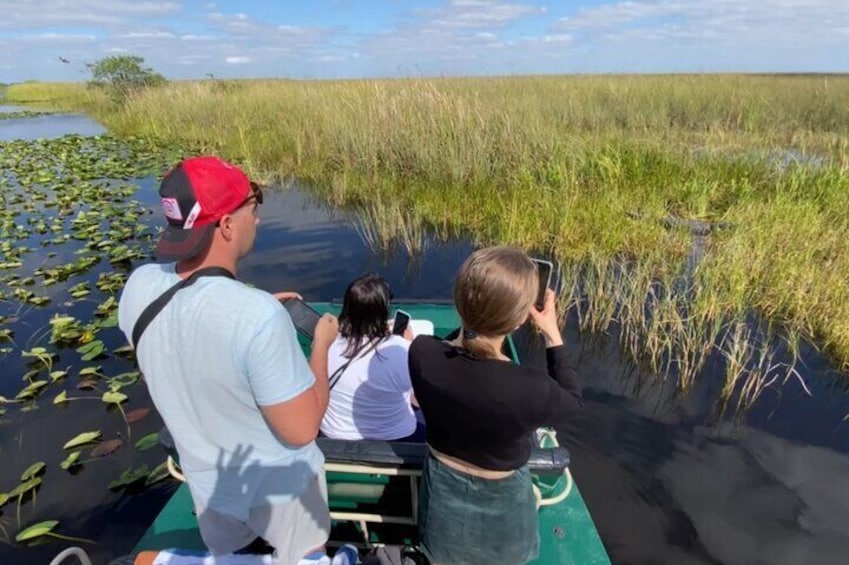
{"points": [[483, 411]]}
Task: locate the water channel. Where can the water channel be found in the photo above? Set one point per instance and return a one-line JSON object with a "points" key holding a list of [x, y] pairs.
{"points": [[664, 482]]}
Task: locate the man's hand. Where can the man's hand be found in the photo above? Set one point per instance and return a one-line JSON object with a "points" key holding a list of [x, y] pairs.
{"points": [[287, 294]]}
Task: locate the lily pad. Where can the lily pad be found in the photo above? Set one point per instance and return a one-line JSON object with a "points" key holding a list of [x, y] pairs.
{"points": [[56, 375], [114, 397], [70, 460], [36, 530], [130, 476], [137, 414], [31, 390], [148, 441], [33, 470], [159, 473], [106, 448], [86, 371], [124, 379], [82, 439], [91, 350], [25, 487]]}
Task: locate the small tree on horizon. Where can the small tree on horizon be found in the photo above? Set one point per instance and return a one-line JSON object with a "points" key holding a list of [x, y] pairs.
{"points": [[121, 75]]}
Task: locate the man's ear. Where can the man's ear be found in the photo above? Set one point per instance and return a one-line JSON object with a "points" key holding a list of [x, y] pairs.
{"points": [[225, 224]]}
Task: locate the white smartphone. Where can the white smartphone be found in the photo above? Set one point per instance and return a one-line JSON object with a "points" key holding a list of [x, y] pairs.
{"points": [[402, 321]]}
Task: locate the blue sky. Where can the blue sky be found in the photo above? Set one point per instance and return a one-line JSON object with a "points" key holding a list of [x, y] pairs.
{"points": [[384, 38]]}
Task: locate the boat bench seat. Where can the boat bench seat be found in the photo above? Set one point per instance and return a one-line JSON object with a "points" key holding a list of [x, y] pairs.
{"points": [[543, 461], [376, 482]]}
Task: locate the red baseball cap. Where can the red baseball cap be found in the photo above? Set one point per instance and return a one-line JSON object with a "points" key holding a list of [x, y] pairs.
{"points": [[196, 194]]}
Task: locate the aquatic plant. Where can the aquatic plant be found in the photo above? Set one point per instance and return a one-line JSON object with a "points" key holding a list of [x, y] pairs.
{"points": [[71, 229]]}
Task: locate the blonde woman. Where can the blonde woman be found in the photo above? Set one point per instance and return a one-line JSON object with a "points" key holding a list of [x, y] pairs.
{"points": [[476, 499]]}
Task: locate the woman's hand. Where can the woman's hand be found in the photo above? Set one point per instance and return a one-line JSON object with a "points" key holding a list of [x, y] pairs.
{"points": [[287, 295], [546, 320], [326, 330]]}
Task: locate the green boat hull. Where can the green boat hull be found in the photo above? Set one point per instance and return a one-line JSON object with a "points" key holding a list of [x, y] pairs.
{"points": [[567, 533]]}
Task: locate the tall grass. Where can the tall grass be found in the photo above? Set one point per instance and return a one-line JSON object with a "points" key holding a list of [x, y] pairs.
{"points": [[588, 167], [58, 95]]}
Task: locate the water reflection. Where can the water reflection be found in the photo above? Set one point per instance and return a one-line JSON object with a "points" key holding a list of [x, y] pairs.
{"points": [[318, 251], [48, 127], [9, 108], [666, 484]]}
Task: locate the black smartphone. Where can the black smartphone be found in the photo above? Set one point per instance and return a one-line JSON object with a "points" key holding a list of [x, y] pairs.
{"points": [[402, 320], [303, 316], [544, 270]]}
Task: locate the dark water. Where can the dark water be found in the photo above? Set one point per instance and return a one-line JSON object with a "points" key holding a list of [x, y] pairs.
{"points": [[662, 481]]}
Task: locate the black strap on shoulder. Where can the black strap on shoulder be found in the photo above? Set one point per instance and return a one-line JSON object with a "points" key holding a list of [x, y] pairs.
{"points": [[337, 374], [149, 313]]}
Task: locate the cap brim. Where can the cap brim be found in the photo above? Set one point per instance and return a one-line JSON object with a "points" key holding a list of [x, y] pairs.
{"points": [[176, 243]]}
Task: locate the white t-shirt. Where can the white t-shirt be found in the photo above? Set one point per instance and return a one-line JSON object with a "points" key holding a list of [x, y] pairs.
{"points": [[371, 400], [216, 352]]}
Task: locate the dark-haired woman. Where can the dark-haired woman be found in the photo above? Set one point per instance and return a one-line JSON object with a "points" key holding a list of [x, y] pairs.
{"points": [[476, 501], [371, 394]]}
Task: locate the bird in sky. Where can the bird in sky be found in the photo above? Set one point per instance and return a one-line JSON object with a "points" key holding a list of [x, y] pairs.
{"points": [[64, 60]]}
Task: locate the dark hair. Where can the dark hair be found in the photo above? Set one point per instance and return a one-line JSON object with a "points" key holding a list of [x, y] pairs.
{"points": [[365, 310]]}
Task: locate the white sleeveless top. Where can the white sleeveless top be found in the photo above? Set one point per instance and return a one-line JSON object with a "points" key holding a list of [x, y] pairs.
{"points": [[371, 400]]}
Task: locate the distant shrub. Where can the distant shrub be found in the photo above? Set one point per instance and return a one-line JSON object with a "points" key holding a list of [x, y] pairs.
{"points": [[121, 75]]}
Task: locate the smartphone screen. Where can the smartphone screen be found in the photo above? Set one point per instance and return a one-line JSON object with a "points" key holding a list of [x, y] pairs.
{"points": [[544, 269], [303, 317], [402, 320]]}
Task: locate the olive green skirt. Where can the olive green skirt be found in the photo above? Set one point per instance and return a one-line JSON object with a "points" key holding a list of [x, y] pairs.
{"points": [[465, 519]]}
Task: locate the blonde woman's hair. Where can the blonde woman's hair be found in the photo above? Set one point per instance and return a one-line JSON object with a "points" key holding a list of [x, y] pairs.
{"points": [[494, 291]]}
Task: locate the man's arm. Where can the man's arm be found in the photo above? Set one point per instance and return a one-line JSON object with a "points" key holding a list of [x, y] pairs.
{"points": [[296, 421]]}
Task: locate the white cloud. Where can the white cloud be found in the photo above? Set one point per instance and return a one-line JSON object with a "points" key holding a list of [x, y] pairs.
{"points": [[52, 37], [233, 60], [472, 14], [42, 13], [195, 37], [147, 35], [775, 21]]}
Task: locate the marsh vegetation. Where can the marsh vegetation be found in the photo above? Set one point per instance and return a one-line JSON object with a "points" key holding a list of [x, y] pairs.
{"points": [[610, 174]]}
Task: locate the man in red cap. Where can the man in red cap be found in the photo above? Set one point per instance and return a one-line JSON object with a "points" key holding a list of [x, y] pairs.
{"points": [[225, 371]]}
